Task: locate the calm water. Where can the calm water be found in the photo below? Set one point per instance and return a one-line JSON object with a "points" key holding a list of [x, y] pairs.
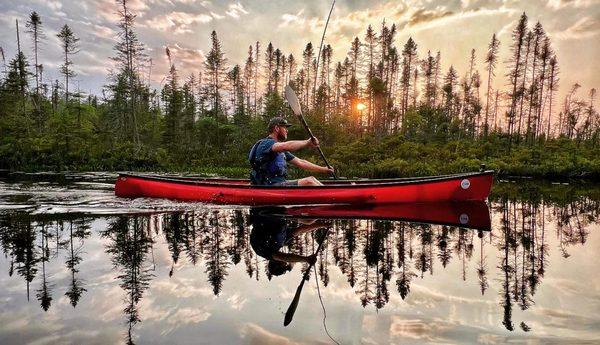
{"points": [[82, 266]]}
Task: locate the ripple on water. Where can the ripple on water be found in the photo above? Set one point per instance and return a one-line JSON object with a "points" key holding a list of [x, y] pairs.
{"points": [[82, 193]]}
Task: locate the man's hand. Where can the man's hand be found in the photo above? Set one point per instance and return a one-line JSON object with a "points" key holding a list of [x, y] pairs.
{"points": [[329, 170], [312, 142]]}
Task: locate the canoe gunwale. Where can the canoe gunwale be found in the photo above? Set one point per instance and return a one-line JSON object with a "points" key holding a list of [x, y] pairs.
{"points": [[346, 184]]}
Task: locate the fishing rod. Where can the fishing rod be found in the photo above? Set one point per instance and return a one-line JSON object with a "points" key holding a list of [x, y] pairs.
{"points": [[292, 99], [321, 45]]}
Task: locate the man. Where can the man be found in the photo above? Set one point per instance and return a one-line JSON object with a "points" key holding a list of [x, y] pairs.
{"points": [[269, 158]]}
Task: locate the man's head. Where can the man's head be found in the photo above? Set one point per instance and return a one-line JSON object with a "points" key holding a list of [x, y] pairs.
{"points": [[278, 126]]}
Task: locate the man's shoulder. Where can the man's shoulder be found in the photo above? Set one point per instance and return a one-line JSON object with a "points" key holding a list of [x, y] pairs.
{"points": [[265, 145], [267, 142]]}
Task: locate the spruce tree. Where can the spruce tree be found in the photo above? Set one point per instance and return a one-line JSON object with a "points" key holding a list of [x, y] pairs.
{"points": [[70, 47], [215, 66], [491, 60]]}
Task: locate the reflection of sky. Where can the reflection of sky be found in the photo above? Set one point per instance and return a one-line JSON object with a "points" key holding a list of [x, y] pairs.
{"points": [[182, 309]]}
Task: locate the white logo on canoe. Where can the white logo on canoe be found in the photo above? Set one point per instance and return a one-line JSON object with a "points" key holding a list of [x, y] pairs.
{"points": [[465, 184], [464, 218]]}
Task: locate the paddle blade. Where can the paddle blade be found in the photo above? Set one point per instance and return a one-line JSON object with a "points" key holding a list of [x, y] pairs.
{"points": [[292, 99], [289, 314]]}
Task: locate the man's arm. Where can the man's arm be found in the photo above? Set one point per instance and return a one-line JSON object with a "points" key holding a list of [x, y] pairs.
{"points": [[292, 145], [292, 258], [306, 165]]}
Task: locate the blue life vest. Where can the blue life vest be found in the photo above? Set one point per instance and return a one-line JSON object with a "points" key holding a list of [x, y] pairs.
{"points": [[268, 168]]}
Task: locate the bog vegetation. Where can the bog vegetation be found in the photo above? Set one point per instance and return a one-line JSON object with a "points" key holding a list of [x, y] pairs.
{"points": [[384, 111]]}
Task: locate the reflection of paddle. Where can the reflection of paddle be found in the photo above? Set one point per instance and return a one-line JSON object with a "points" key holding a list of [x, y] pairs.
{"points": [[289, 314]]}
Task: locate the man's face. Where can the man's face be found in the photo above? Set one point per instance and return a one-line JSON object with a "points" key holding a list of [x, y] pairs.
{"points": [[281, 133]]}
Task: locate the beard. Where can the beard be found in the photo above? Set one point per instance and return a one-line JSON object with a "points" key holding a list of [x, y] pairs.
{"points": [[281, 136]]}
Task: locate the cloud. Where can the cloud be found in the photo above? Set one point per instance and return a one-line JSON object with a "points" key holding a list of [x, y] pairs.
{"points": [[253, 334], [52, 4], [189, 58], [585, 27], [181, 288], [104, 32], [109, 9], [235, 10], [177, 22], [216, 15], [236, 301], [418, 329], [187, 316], [561, 4], [424, 16], [290, 18], [89, 63], [445, 19]]}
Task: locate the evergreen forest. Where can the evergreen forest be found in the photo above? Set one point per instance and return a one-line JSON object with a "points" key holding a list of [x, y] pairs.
{"points": [[388, 109]]}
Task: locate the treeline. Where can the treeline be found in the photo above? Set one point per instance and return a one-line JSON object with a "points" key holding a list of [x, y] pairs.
{"points": [[210, 119]]}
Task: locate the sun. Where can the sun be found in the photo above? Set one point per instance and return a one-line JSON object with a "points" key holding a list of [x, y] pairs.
{"points": [[361, 106]]}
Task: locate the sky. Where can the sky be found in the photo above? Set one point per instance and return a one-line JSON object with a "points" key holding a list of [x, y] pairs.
{"points": [[453, 27]]}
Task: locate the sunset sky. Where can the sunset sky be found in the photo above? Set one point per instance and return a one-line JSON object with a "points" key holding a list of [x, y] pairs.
{"points": [[453, 27]]}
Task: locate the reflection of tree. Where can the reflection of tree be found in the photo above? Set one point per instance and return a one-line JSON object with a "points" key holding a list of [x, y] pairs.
{"points": [[405, 275], [464, 249], [505, 266], [368, 253], [350, 246], [19, 241], [81, 232], [482, 267], [323, 265], [129, 246], [44, 293], [194, 243], [364, 270], [444, 252], [572, 224], [238, 243], [424, 251], [216, 254], [172, 227]]}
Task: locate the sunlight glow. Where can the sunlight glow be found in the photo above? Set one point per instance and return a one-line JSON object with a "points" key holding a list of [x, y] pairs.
{"points": [[361, 106]]}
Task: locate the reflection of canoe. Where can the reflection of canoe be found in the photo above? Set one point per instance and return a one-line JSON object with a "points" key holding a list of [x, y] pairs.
{"points": [[468, 214], [460, 187]]}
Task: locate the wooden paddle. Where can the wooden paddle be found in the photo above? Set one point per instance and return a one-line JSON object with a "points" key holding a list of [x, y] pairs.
{"points": [[294, 103], [289, 314]]}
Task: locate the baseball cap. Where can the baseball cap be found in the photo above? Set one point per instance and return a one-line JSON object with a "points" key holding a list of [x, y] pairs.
{"points": [[278, 121]]}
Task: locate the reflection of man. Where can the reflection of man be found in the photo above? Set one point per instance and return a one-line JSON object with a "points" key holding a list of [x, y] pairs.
{"points": [[270, 233]]}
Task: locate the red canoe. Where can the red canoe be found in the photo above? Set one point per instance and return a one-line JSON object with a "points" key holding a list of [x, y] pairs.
{"points": [[465, 214], [459, 187]]}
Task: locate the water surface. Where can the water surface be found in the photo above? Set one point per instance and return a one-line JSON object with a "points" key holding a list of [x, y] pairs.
{"points": [[82, 266]]}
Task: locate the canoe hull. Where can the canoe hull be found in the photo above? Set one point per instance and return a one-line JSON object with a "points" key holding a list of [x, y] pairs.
{"points": [[462, 187], [465, 214]]}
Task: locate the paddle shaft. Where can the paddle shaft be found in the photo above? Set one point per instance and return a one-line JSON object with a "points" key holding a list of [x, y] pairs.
{"points": [[289, 314], [312, 137]]}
